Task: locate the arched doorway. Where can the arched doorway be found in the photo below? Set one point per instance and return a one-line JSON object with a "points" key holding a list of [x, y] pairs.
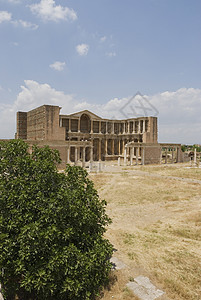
{"points": [[85, 125]]}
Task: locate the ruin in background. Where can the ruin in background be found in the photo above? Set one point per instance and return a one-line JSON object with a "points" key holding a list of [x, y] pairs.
{"points": [[84, 137]]}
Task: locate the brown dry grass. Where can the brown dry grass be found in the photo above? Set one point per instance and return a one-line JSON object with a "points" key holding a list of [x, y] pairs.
{"points": [[176, 170], [156, 228]]}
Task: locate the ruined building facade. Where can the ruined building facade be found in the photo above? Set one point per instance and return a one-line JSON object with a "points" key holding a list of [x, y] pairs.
{"points": [[85, 137]]}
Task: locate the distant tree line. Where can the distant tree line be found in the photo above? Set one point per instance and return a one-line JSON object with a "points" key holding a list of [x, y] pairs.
{"points": [[186, 148]]}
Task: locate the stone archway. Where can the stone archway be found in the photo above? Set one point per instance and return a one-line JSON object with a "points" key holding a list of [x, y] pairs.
{"points": [[85, 125]]}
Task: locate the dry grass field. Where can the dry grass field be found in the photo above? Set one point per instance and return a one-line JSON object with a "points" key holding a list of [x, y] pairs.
{"points": [[156, 229]]}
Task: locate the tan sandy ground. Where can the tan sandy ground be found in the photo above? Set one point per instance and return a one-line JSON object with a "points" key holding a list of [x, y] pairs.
{"points": [[156, 229]]}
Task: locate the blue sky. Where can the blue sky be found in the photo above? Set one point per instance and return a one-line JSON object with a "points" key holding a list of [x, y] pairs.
{"points": [[96, 54]]}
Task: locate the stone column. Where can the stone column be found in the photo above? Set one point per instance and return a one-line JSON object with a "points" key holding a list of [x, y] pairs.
{"points": [[125, 156], [161, 155], [78, 152], [75, 155], [142, 155], [106, 147], [112, 127], [143, 130], [133, 126], [119, 146], [123, 146], [195, 156], [128, 127], [68, 155], [124, 128], [99, 150], [106, 127], [83, 157], [172, 154], [137, 155], [60, 122], [99, 126], [166, 151], [91, 126], [138, 126], [69, 125], [112, 146], [131, 155], [91, 153], [79, 125], [177, 155]]}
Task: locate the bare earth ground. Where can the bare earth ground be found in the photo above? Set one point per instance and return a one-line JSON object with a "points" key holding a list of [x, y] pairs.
{"points": [[156, 229]]}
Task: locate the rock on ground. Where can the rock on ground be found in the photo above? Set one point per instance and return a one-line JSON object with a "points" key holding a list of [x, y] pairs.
{"points": [[144, 289]]}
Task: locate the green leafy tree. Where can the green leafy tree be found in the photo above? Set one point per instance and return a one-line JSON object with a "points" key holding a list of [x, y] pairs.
{"points": [[51, 227], [183, 148]]}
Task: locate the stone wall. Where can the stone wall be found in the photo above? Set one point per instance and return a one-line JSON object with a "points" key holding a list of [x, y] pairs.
{"points": [[152, 154], [43, 124], [21, 125]]}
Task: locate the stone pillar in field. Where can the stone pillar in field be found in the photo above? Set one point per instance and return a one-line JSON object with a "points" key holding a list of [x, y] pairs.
{"points": [[166, 153], [195, 156], [137, 155], [177, 154], [125, 156], [119, 147], [161, 155], [172, 154], [142, 155], [131, 155]]}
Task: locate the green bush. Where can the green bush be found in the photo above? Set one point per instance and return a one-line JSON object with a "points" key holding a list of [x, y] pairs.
{"points": [[51, 227]]}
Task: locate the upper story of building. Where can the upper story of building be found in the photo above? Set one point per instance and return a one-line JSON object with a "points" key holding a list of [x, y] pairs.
{"points": [[46, 123]]}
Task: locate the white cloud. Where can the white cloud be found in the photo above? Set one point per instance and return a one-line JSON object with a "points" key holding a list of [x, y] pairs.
{"points": [[103, 39], [58, 65], [47, 10], [82, 49], [34, 94], [25, 24], [5, 16], [14, 1], [111, 54], [178, 120]]}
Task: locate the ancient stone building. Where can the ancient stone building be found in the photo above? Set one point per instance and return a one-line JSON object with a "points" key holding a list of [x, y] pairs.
{"points": [[82, 137]]}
